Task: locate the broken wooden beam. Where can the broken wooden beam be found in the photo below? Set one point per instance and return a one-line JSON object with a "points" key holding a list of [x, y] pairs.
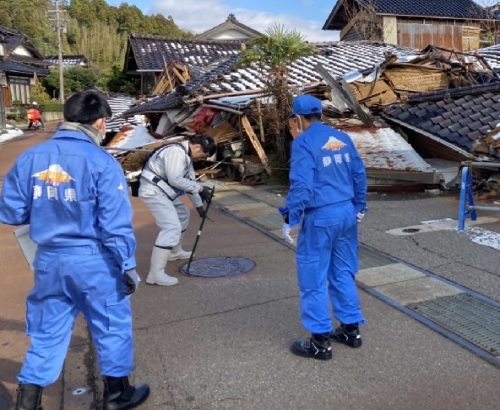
{"points": [[255, 142]]}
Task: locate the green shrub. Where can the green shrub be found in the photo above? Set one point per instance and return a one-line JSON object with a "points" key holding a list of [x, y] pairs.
{"points": [[52, 106]]}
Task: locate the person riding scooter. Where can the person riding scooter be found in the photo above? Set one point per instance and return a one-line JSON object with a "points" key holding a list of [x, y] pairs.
{"points": [[35, 117]]}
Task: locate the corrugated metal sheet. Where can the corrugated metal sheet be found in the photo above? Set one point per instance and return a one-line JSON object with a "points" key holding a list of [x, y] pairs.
{"points": [[384, 148], [420, 36]]}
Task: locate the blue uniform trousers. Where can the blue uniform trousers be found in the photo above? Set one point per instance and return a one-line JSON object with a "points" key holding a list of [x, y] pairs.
{"points": [[70, 280], [327, 263]]}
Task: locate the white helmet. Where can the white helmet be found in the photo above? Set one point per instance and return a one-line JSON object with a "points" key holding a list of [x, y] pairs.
{"points": [[35, 103]]}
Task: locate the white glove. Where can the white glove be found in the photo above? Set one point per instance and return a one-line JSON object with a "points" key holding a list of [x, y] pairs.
{"points": [[360, 216], [285, 231], [132, 280]]}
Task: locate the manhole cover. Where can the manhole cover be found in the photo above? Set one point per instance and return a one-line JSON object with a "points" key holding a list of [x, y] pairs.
{"points": [[411, 230], [216, 267]]}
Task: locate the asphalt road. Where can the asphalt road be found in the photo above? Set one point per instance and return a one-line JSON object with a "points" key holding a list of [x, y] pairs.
{"points": [[223, 343]]}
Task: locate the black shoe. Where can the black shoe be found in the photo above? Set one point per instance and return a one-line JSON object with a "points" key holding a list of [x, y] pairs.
{"points": [[29, 397], [317, 347], [347, 334], [120, 395]]}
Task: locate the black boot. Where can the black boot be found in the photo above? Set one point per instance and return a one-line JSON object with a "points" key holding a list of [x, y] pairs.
{"points": [[120, 395], [29, 397], [347, 334], [317, 347]]}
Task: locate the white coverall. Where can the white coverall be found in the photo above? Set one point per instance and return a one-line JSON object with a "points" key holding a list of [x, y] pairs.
{"points": [[174, 165]]}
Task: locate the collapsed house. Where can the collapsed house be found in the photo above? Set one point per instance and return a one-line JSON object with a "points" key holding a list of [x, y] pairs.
{"points": [[366, 88]]}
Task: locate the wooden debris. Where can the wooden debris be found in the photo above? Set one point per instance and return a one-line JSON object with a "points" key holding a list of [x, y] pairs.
{"points": [[255, 142], [173, 75]]}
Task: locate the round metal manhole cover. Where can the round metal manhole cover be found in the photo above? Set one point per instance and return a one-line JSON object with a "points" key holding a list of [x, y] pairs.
{"points": [[217, 267]]}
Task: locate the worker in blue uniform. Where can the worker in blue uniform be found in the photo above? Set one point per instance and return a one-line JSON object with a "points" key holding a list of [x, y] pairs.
{"points": [[73, 194], [327, 197]]}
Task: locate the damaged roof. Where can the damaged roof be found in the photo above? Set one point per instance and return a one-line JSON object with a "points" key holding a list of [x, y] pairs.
{"points": [[384, 148], [118, 104], [225, 76], [491, 55], [460, 116]]}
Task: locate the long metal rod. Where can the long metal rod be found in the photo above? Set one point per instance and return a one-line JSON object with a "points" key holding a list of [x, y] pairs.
{"points": [[201, 228]]}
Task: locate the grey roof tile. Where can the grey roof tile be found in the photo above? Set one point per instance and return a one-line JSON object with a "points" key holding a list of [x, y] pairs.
{"points": [[444, 132], [476, 116], [426, 125], [446, 123], [338, 58], [485, 129], [466, 113], [455, 126], [461, 127], [438, 8]]}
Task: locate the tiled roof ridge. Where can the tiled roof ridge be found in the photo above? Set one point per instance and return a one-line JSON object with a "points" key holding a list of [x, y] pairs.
{"points": [[360, 42], [454, 92], [66, 56], [183, 39], [11, 31], [232, 20], [405, 8]]}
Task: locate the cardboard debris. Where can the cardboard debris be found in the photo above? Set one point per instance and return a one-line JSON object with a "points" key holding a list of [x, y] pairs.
{"points": [[222, 132]]}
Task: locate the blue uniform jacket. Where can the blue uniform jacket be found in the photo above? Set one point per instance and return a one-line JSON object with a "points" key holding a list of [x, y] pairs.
{"points": [[73, 194], [326, 169]]}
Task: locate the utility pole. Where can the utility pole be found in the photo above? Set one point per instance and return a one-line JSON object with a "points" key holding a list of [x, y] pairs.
{"points": [[59, 27]]}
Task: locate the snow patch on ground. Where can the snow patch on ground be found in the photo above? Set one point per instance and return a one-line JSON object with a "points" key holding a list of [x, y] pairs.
{"points": [[9, 133], [484, 237]]}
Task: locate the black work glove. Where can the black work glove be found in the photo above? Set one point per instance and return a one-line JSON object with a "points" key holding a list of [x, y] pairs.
{"points": [[205, 194], [132, 280], [201, 211], [286, 219]]}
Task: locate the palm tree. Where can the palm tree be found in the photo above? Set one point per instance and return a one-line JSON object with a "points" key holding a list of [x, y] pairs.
{"points": [[273, 53]]}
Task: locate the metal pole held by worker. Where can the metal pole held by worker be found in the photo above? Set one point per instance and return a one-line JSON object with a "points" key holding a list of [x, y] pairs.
{"points": [[201, 228]]}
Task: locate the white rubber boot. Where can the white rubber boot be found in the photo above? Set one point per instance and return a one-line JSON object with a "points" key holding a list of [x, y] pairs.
{"points": [[157, 275], [178, 252]]}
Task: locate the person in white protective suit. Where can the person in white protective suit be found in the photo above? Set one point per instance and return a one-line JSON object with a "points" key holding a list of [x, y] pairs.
{"points": [[166, 176], [73, 194]]}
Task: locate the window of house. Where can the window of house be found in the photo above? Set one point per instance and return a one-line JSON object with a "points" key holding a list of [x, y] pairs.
{"points": [[20, 90]]}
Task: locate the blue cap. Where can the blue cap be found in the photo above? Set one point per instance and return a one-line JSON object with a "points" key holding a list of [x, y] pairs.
{"points": [[306, 104]]}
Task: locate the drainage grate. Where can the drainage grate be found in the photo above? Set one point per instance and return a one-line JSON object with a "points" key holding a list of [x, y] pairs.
{"points": [[216, 267], [468, 317]]}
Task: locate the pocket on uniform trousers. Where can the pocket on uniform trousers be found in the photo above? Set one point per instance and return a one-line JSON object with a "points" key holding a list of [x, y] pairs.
{"points": [[118, 312], [327, 222]]}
